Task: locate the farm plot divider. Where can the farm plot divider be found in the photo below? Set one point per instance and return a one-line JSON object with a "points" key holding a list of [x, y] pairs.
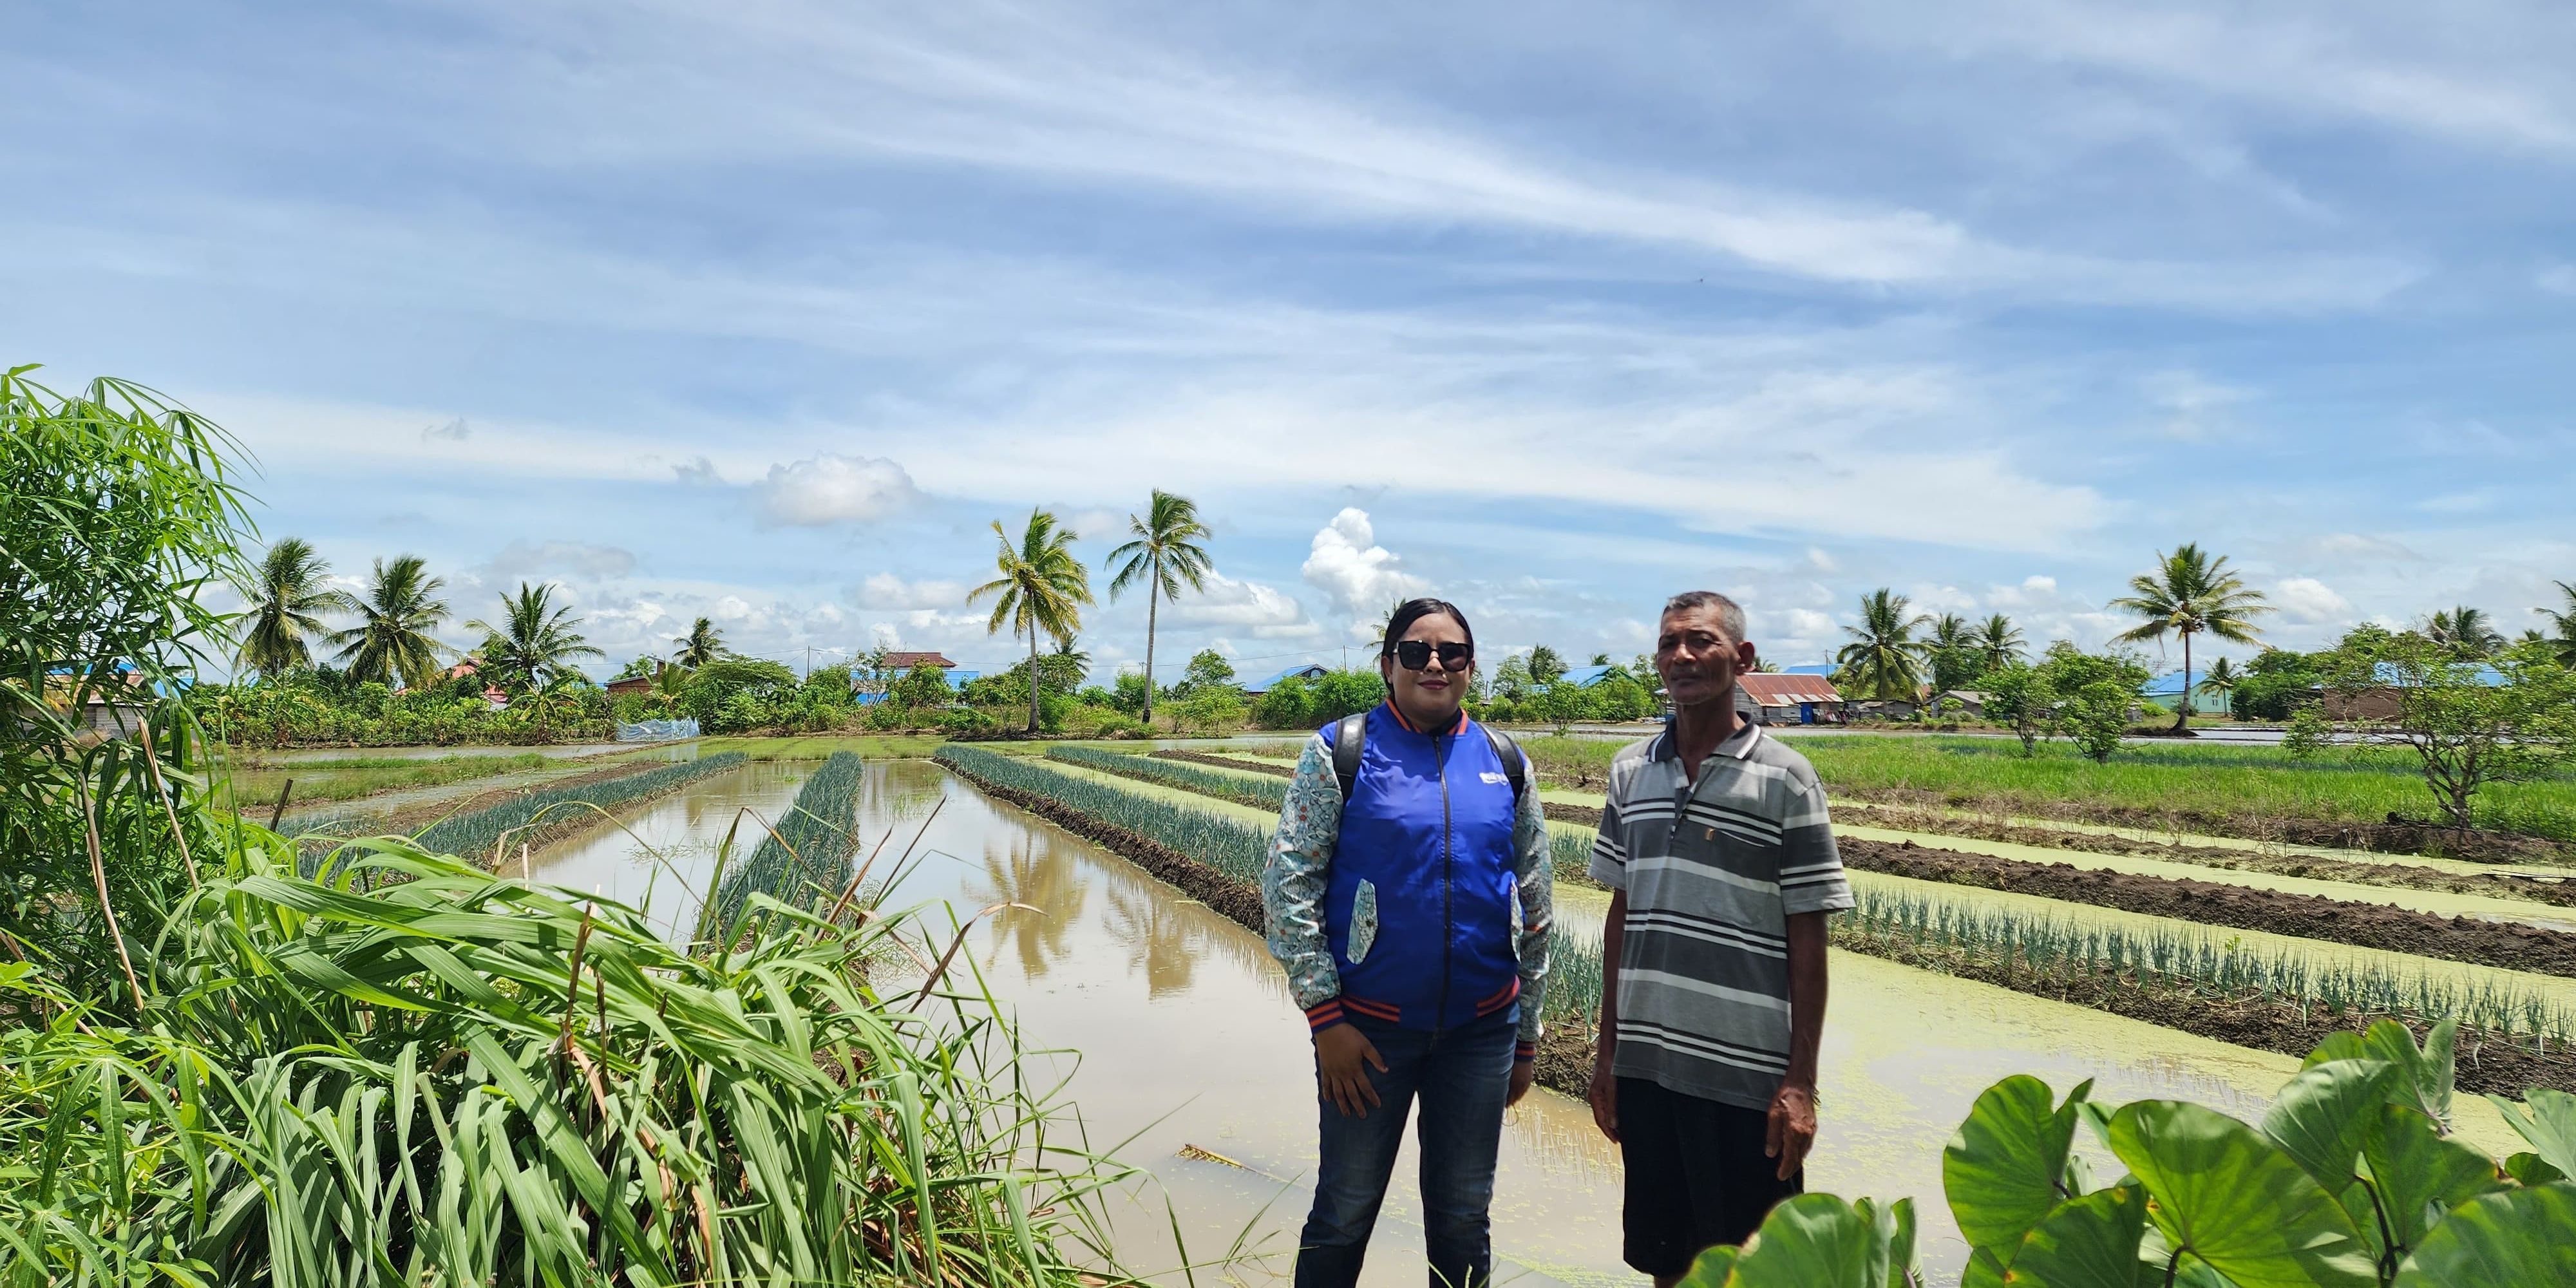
{"points": [[533, 819]]}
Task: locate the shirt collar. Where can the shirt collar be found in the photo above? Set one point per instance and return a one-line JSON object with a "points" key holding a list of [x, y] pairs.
{"points": [[1407, 725], [1738, 745]]}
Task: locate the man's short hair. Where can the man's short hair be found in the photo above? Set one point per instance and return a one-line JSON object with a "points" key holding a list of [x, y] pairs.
{"points": [[1730, 615]]}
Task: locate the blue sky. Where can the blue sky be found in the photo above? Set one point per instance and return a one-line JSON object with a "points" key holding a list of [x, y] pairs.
{"points": [[766, 311]]}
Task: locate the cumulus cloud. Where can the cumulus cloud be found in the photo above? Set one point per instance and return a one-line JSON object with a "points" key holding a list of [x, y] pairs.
{"points": [[820, 491], [524, 558], [696, 469], [1266, 611], [2034, 591], [1355, 572], [2308, 601], [888, 592]]}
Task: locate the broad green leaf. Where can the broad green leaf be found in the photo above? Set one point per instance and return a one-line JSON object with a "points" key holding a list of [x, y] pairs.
{"points": [[2547, 1119], [2527, 1168], [2344, 1045], [1814, 1241], [2085, 1242], [2421, 1174], [1985, 1270], [2426, 1071], [2225, 1194], [2002, 1168], [1711, 1269], [1899, 1224], [2512, 1239], [2321, 1116]]}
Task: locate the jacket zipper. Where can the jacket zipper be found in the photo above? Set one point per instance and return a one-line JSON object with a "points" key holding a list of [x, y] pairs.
{"points": [[1448, 913]]}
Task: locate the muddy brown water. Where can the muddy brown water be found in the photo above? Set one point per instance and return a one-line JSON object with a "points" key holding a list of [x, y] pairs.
{"points": [[1186, 1036]]}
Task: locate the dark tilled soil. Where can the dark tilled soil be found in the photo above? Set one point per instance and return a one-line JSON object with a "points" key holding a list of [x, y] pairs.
{"points": [[2500, 944], [2557, 893]]}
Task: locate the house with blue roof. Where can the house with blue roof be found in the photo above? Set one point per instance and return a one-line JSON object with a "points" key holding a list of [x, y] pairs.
{"points": [[2387, 700], [1307, 671], [2167, 690]]}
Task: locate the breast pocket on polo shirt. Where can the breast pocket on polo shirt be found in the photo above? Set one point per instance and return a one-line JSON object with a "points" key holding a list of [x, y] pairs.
{"points": [[1363, 923]]}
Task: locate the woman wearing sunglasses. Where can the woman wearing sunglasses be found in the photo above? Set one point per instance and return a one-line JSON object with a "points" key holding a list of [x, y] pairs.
{"points": [[1408, 896]]}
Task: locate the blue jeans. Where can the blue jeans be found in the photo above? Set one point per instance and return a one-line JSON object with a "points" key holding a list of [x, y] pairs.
{"points": [[1462, 1076]]}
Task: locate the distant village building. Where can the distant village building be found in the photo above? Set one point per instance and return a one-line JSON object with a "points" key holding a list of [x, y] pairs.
{"points": [[2386, 699], [2166, 691], [631, 684], [1309, 672], [1971, 702], [1779, 697]]}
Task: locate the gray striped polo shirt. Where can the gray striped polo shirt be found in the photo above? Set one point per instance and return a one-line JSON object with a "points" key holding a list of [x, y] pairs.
{"points": [[1713, 869]]}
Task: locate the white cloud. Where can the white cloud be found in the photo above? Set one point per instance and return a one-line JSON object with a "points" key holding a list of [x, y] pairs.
{"points": [[454, 431], [1357, 574], [2308, 601], [2360, 547], [1266, 611], [2035, 591], [885, 591], [2191, 407], [522, 558], [827, 489]]}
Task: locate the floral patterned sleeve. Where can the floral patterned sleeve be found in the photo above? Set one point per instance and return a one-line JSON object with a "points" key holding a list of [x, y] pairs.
{"points": [[1293, 882], [1535, 868]]}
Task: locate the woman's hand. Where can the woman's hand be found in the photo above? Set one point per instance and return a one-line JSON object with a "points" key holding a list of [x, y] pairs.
{"points": [[1524, 1072], [1339, 1053]]}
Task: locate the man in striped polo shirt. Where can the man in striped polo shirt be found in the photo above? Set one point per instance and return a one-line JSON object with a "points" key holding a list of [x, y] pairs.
{"points": [[1715, 842]]}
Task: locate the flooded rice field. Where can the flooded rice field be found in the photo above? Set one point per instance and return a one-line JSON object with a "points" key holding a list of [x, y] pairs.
{"points": [[1175, 1030]]}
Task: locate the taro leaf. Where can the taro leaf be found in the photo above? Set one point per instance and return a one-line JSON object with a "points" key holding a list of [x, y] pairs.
{"points": [[1814, 1241], [1711, 1269], [2547, 1119], [2225, 1194], [2001, 1169], [2085, 1242], [2343, 1045], [2428, 1070], [1985, 1270], [2322, 1115], [2513, 1239], [2420, 1173], [1898, 1223], [2527, 1168]]}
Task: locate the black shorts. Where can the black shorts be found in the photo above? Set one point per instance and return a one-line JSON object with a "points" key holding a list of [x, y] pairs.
{"points": [[1697, 1176]]}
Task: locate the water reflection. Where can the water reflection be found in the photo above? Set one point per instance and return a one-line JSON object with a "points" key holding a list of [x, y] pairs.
{"points": [[1049, 889]]}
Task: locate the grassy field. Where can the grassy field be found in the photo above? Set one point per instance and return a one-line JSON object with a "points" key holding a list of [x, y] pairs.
{"points": [[2222, 781], [360, 776]]}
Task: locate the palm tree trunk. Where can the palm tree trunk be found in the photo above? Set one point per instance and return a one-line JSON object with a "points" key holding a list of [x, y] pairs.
{"points": [[1153, 596], [1033, 677], [2182, 720]]}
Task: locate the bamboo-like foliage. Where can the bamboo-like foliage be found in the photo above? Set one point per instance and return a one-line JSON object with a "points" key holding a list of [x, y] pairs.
{"points": [[416, 1073], [2209, 964], [805, 852], [1240, 850]]}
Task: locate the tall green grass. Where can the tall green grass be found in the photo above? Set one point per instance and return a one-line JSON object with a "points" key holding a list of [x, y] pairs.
{"points": [[1234, 847], [2252, 783], [807, 849], [2220, 968], [450, 1078]]}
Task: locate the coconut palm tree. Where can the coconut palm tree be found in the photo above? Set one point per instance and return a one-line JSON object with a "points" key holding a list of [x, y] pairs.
{"points": [[2564, 620], [1999, 642], [395, 617], [1163, 557], [1952, 651], [1884, 660], [534, 644], [2221, 680], [293, 588], [2465, 631], [2190, 592], [703, 644], [1042, 588]]}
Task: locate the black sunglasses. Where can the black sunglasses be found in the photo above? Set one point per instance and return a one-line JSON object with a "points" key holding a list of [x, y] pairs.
{"points": [[1413, 655]]}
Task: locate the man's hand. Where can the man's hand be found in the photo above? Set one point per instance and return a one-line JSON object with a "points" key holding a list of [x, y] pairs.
{"points": [[1524, 1072], [1339, 1053], [1793, 1126], [1604, 1095]]}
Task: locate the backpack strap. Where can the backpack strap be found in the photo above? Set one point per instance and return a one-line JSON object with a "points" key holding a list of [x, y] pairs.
{"points": [[1509, 753], [1350, 738]]}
